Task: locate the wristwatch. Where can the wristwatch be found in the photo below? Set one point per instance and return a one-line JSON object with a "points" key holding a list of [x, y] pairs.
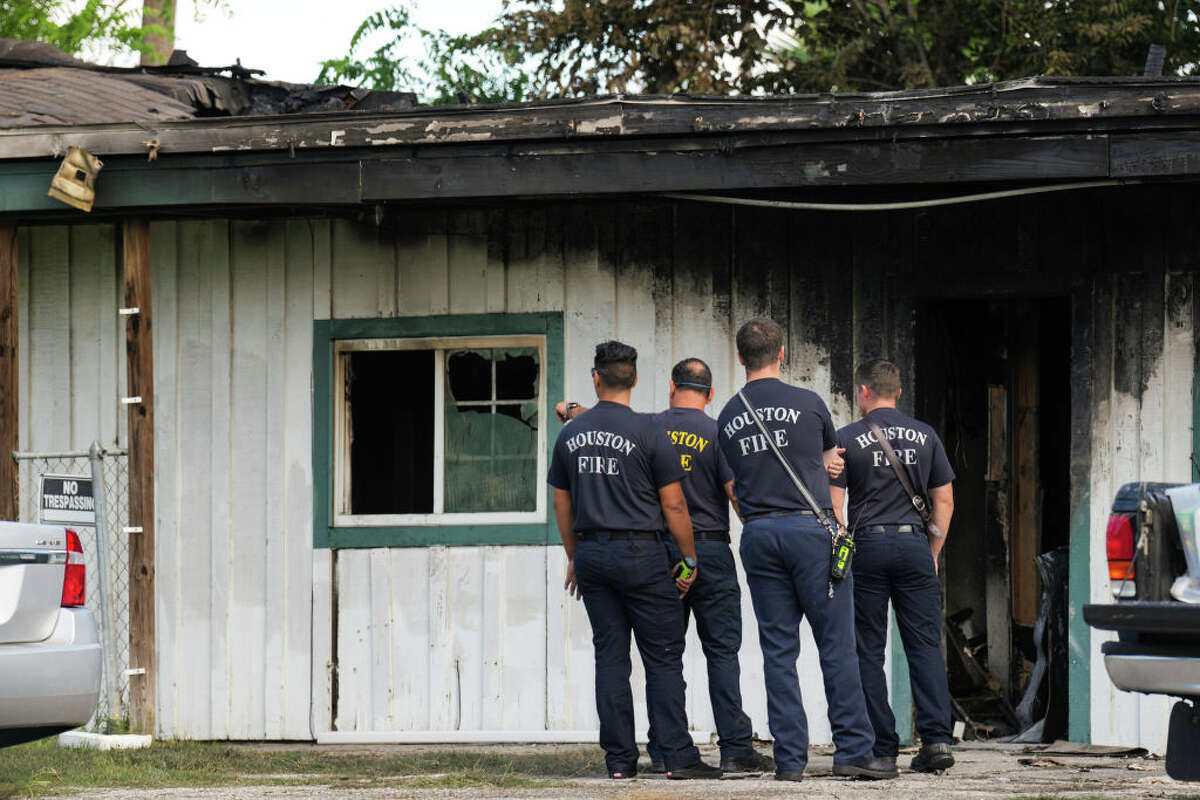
{"points": [[571, 407], [690, 562]]}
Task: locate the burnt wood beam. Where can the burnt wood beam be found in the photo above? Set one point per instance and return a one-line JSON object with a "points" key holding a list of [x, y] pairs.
{"points": [[9, 428], [458, 172], [952, 111], [139, 350], [461, 172]]}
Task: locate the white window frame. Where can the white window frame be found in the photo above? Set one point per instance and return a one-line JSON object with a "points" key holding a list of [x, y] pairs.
{"points": [[441, 344]]}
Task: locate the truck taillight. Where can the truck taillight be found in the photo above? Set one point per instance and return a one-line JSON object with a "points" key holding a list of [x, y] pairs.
{"points": [[75, 579], [1119, 546]]}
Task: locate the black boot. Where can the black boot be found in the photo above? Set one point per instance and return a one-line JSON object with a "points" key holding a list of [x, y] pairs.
{"points": [[697, 771], [749, 763], [877, 769], [658, 766], [934, 757]]}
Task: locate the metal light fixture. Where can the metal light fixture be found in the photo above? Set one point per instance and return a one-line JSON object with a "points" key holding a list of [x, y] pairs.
{"points": [[75, 181]]}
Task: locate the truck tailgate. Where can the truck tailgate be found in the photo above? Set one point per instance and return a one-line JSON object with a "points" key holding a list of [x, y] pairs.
{"points": [[32, 563]]}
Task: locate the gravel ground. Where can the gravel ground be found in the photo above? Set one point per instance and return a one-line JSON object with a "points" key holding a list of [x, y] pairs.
{"points": [[993, 771]]}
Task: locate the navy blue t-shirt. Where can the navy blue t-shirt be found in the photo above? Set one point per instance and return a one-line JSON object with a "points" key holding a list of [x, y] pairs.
{"points": [[802, 427], [875, 495], [694, 435], [613, 461]]}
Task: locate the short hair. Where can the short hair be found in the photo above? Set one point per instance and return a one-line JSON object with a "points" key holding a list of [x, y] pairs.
{"points": [[694, 374], [758, 342], [881, 377], [616, 364]]}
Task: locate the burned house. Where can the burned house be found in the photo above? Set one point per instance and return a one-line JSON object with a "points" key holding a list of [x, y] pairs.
{"points": [[355, 319]]}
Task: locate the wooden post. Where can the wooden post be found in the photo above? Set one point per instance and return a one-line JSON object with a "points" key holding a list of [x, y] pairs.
{"points": [[139, 353], [9, 431]]}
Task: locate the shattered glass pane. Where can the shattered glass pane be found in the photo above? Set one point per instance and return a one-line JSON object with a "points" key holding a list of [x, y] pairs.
{"points": [[491, 448], [469, 375], [516, 373]]}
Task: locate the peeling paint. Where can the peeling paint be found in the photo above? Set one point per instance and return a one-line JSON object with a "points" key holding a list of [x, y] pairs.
{"points": [[607, 125]]}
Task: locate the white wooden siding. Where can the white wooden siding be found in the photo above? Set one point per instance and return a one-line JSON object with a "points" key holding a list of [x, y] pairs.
{"points": [[1144, 437], [427, 638]]}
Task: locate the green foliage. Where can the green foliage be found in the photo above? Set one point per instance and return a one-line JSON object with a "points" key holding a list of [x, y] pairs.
{"points": [[115, 24], [782, 46], [453, 69]]}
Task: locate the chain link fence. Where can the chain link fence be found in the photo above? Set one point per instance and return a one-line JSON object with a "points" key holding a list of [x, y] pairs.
{"points": [[106, 555]]}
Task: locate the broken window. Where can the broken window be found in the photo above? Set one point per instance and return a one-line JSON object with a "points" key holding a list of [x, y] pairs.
{"points": [[491, 430], [435, 429]]}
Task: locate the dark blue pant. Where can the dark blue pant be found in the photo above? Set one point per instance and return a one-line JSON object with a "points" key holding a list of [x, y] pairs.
{"points": [[899, 567], [716, 601], [787, 565], [627, 586]]}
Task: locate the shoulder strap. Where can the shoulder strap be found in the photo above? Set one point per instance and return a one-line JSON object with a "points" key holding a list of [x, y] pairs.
{"points": [[918, 502], [822, 517]]}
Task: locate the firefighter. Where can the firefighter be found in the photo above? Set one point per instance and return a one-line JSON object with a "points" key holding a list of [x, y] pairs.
{"points": [[716, 597], [786, 553], [898, 514], [616, 482]]}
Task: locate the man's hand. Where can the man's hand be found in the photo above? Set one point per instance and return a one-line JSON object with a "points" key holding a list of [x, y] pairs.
{"points": [[560, 411], [570, 584], [683, 584], [835, 464]]}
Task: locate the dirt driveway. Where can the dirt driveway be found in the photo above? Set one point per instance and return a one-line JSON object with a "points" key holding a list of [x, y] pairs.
{"points": [[982, 772]]}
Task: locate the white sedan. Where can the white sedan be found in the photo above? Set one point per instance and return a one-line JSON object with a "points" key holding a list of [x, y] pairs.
{"points": [[50, 657]]}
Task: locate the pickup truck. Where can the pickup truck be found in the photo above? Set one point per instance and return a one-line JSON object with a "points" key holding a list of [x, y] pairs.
{"points": [[50, 657], [1153, 550]]}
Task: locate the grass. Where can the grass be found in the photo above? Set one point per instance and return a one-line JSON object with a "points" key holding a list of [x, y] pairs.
{"points": [[41, 768]]}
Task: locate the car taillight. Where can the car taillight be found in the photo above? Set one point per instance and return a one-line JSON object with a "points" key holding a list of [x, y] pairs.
{"points": [[1119, 546], [75, 579]]}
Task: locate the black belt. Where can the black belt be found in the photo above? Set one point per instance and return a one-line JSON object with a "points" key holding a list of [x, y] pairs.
{"points": [[711, 536], [620, 536], [768, 514], [898, 528]]}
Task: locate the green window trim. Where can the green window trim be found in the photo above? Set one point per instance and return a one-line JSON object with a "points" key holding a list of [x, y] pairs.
{"points": [[327, 332]]}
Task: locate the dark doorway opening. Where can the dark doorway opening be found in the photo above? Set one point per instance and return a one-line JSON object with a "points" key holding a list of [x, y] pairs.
{"points": [[993, 377]]}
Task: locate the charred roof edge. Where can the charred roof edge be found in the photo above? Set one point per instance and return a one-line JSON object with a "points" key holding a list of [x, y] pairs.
{"points": [[1031, 101]]}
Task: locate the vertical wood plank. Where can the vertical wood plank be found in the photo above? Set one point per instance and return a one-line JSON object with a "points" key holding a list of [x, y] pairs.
{"points": [[410, 642], [10, 427], [201, 258], [464, 568], [523, 650], [442, 674], [321, 695], [250, 410], [24, 393], [467, 255], [304, 599], [50, 338], [353, 646], [279, 605], [379, 679], [167, 452], [356, 263], [496, 270], [1025, 533], [494, 602], [139, 349]]}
